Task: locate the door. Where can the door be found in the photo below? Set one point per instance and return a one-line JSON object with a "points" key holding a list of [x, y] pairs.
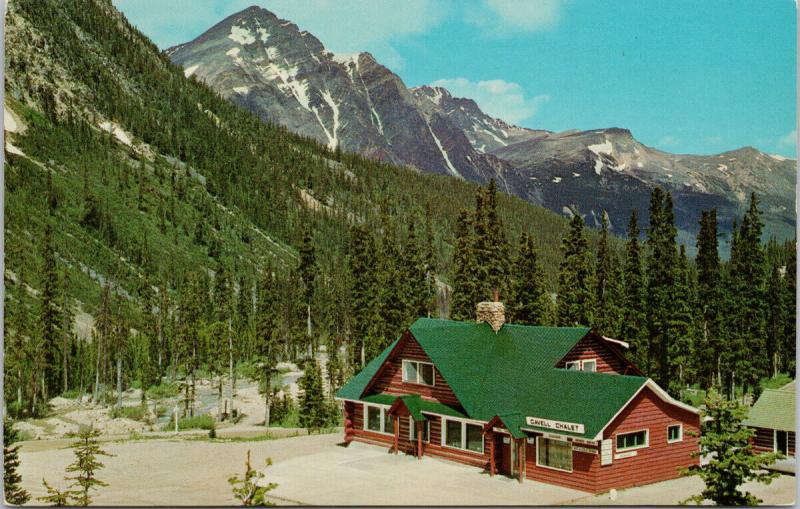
{"points": [[782, 442], [504, 465]]}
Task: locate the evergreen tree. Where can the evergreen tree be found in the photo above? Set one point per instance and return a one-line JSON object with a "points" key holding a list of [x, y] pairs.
{"points": [[14, 494], [661, 275], [362, 267], [464, 295], [529, 300], [633, 328], [50, 315], [265, 318], [314, 413], [497, 268], [574, 306], [250, 489], [775, 320], [681, 325], [607, 285], [308, 272], [732, 462], [391, 314], [709, 297], [414, 276], [788, 346]]}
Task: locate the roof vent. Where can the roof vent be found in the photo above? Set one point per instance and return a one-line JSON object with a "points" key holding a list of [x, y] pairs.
{"points": [[493, 313]]}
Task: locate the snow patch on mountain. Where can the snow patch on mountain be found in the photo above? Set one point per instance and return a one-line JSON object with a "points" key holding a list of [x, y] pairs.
{"points": [[190, 70], [602, 148], [450, 166], [241, 35], [334, 140], [241, 90]]}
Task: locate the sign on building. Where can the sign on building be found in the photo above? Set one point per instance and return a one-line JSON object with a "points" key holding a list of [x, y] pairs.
{"points": [[571, 427]]}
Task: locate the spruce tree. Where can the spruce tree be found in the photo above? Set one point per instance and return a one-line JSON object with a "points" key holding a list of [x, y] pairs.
{"points": [[529, 302], [391, 313], [575, 284], [463, 301], [788, 346], [709, 297], [727, 443], [482, 251], [363, 290], [50, 315], [308, 272], [14, 494], [662, 265], [633, 328], [775, 319], [414, 276], [314, 411], [606, 319], [497, 269], [681, 326]]}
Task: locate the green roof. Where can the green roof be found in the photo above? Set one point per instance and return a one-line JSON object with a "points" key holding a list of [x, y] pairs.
{"points": [[511, 373], [415, 404], [774, 409]]}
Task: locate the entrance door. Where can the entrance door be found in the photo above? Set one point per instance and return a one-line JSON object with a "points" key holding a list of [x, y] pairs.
{"points": [[506, 460], [782, 442]]}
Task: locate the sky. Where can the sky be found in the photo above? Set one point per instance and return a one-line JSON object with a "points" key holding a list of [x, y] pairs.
{"points": [[697, 77]]}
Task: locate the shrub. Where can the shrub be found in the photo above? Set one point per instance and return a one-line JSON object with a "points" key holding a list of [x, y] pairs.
{"points": [[136, 413], [197, 422], [163, 390]]}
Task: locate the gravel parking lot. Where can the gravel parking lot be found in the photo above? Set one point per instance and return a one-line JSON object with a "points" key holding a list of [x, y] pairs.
{"points": [[315, 470]]}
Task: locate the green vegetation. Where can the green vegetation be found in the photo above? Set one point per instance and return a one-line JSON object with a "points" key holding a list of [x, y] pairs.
{"points": [[726, 442], [14, 494], [136, 413], [250, 489], [776, 382], [204, 421], [86, 449]]}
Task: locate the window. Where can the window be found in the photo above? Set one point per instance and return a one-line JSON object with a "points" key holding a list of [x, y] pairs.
{"points": [[553, 453], [378, 420], [416, 372], [585, 365], [426, 430], [635, 440], [463, 435], [675, 433], [781, 442]]}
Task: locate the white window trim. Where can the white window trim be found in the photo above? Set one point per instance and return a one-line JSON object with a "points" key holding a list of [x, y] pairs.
{"points": [[568, 365], [412, 429], [775, 441], [418, 363], [635, 447], [463, 435], [680, 433], [583, 364], [572, 458], [383, 409]]}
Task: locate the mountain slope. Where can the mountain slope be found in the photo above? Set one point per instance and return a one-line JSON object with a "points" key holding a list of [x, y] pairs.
{"points": [[144, 175], [609, 169], [286, 76]]}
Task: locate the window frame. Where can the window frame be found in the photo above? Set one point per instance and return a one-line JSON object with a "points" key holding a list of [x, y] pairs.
{"points": [[571, 454], [593, 361], [412, 430], [419, 373], [463, 447], [775, 441], [679, 425], [568, 365], [635, 447], [384, 413], [581, 364]]}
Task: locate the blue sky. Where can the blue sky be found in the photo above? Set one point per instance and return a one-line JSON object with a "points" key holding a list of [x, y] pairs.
{"points": [[684, 76]]}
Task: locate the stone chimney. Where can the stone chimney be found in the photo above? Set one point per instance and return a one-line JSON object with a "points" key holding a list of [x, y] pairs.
{"points": [[493, 313]]}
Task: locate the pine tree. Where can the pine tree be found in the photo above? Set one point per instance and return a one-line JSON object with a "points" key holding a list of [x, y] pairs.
{"points": [[633, 327], [308, 272], [50, 315], [250, 489], [661, 274], [314, 411], [462, 306], [497, 269], [414, 276], [681, 325], [265, 317], [14, 494], [363, 290], [788, 346], [529, 300], [732, 462], [391, 313], [709, 296], [775, 320], [607, 285], [574, 306]]}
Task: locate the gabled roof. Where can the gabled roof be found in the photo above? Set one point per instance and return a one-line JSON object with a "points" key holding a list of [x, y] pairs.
{"points": [[774, 409], [512, 372]]}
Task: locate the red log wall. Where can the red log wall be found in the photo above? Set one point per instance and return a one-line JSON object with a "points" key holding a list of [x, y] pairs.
{"points": [[593, 347]]}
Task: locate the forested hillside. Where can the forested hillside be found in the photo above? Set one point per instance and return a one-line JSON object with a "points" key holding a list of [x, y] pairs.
{"points": [[130, 189], [154, 230]]}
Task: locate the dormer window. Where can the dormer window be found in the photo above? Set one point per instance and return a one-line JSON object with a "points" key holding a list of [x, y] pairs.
{"points": [[582, 365], [416, 372]]}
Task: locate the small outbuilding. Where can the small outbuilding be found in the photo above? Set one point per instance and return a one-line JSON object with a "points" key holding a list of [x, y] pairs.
{"points": [[560, 405], [773, 419]]}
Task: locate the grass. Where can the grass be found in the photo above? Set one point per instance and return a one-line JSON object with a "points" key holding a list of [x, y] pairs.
{"points": [[776, 382], [136, 413], [163, 390], [197, 422]]}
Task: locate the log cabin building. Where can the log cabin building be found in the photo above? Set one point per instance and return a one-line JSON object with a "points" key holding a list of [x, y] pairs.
{"points": [[560, 405], [772, 417]]}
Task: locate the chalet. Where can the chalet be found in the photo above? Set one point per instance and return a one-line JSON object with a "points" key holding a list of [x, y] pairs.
{"points": [[772, 418], [560, 405]]}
